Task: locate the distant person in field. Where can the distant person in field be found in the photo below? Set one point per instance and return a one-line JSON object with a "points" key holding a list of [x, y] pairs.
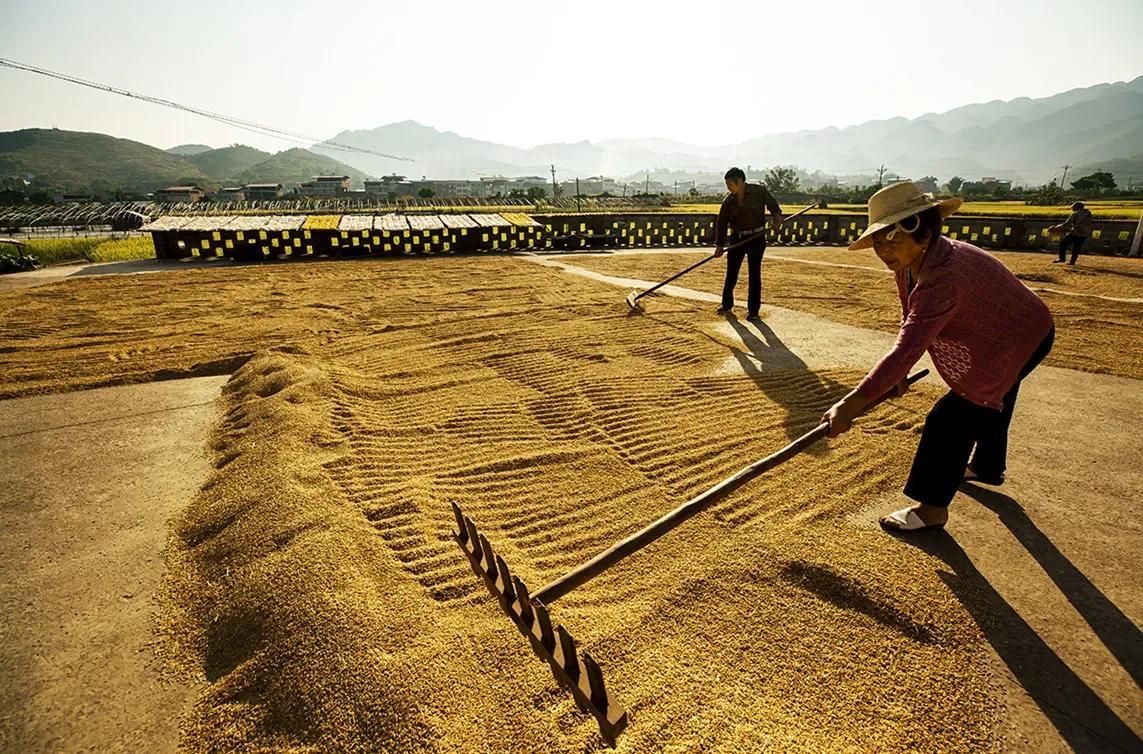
{"points": [[1076, 229], [985, 331], [744, 212]]}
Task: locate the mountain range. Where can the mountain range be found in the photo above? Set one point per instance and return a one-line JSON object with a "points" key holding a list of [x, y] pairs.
{"points": [[75, 161], [1025, 140]]}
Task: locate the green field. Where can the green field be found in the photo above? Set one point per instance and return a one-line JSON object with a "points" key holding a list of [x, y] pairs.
{"points": [[58, 250]]}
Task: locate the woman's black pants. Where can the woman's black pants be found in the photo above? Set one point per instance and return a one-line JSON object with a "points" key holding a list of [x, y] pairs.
{"points": [[953, 428]]}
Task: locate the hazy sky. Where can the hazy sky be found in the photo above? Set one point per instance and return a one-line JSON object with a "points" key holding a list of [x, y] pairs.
{"points": [[536, 72]]}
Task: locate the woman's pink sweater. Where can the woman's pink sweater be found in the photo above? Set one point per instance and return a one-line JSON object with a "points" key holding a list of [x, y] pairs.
{"points": [[977, 321]]}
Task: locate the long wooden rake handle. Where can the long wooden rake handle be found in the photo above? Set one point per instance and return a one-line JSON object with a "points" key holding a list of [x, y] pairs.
{"points": [[641, 539], [704, 260]]}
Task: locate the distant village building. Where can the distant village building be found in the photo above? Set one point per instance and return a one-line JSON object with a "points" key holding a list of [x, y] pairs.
{"points": [[998, 183], [262, 192], [529, 182], [180, 194], [493, 185], [232, 194], [325, 185], [390, 186], [599, 184], [447, 187], [398, 185]]}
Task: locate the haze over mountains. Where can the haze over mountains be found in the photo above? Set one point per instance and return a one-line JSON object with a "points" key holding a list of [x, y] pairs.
{"points": [[1026, 140]]}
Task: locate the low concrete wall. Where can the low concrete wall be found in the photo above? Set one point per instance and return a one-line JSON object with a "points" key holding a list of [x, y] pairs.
{"points": [[273, 236]]}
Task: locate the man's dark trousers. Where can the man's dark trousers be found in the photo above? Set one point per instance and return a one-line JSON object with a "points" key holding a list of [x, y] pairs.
{"points": [[753, 252], [1075, 242]]}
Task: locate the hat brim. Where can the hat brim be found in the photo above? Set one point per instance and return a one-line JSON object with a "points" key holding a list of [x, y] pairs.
{"points": [[946, 207]]}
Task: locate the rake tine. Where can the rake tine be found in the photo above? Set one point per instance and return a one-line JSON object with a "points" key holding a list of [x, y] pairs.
{"points": [[461, 529], [568, 662], [579, 673], [506, 587], [546, 637], [595, 681], [487, 560], [567, 657], [473, 538], [527, 616]]}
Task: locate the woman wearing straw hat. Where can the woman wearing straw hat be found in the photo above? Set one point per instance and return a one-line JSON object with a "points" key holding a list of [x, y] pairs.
{"points": [[984, 330]]}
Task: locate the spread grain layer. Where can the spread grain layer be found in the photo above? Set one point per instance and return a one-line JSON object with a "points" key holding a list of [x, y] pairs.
{"points": [[313, 583], [1093, 334]]}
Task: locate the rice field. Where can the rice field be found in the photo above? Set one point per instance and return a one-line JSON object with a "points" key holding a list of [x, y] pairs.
{"points": [[94, 248]]}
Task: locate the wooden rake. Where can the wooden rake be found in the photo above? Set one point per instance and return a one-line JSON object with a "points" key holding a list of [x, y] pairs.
{"points": [[575, 670]]}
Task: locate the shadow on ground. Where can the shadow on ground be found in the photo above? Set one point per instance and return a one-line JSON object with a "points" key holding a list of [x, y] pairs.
{"points": [[1078, 713], [765, 355]]}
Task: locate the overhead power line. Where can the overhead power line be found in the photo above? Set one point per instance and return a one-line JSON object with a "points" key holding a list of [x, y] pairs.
{"points": [[258, 128]]}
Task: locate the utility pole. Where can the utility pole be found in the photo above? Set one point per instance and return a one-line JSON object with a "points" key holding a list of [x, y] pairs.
{"points": [[577, 207], [880, 172], [647, 184], [1065, 177], [555, 194]]}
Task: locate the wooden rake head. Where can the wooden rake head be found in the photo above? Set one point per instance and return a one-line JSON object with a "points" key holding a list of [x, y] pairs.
{"points": [[574, 670]]}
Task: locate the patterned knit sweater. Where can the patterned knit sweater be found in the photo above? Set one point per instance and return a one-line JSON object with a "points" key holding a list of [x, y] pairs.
{"points": [[979, 323]]}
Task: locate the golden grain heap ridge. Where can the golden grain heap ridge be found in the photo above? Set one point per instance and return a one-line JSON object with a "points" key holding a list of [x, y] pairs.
{"points": [[314, 582]]}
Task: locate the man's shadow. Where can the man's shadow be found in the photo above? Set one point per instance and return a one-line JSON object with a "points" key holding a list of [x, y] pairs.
{"points": [[1078, 713], [783, 376]]}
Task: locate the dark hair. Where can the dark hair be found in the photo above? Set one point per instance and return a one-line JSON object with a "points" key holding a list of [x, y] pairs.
{"points": [[735, 174], [928, 223]]}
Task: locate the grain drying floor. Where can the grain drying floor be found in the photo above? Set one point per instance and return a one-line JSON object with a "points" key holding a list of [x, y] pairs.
{"points": [[313, 583], [1093, 334]]}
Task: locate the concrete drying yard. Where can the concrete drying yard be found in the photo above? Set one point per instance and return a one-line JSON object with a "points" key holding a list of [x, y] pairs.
{"points": [[306, 595]]}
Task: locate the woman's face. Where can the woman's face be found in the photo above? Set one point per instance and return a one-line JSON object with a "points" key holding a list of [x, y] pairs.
{"points": [[895, 247]]}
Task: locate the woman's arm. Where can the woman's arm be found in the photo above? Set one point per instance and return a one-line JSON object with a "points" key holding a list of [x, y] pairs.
{"points": [[840, 415], [930, 309]]}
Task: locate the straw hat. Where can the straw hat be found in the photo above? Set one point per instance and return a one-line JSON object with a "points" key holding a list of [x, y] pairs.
{"points": [[894, 203]]}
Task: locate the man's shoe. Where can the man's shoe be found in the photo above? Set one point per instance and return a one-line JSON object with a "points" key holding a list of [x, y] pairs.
{"points": [[1057, 261], [724, 310], [753, 316]]}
